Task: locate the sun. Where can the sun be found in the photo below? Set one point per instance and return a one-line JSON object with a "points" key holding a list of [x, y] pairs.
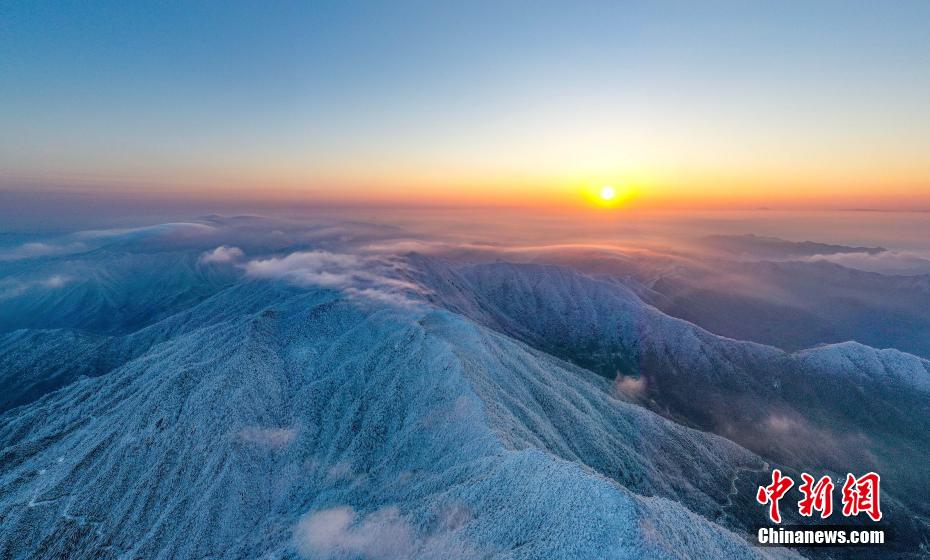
{"points": [[608, 195]]}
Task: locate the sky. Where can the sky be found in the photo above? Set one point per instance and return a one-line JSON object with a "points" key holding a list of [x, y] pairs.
{"points": [[676, 104]]}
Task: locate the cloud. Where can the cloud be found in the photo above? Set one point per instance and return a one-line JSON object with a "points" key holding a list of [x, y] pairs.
{"points": [[385, 534], [274, 438], [222, 254], [54, 281], [37, 248], [887, 262], [320, 268], [782, 424], [630, 386], [11, 288], [86, 240], [41, 249], [339, 532], [407, 246], [170, 228], [375, 278]]}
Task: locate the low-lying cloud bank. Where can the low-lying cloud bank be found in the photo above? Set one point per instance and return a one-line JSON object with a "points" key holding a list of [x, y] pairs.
{"points": [[12, 287], [334, 533], [369, 277], [222, 254], [34, 249], [385, 534], [169, 229], [885, 262]]}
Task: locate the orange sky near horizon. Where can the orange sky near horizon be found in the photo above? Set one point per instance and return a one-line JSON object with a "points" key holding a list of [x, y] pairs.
{"points": [[636, 191], [731, 105]]}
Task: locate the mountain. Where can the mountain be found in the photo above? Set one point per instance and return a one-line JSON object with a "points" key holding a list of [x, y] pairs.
{"points": [[836, 407], [795, 305], [109, 290], [755, 246], [325, 399], [791, 302], [36, 362], [248, 435]]}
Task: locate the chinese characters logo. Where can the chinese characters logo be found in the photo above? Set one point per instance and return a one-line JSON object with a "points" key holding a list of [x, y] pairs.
{"points": [[859, 495]]}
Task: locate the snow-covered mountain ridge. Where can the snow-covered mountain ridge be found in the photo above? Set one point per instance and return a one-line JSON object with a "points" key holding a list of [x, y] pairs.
{"points": [[224, 437], [326, 400]]}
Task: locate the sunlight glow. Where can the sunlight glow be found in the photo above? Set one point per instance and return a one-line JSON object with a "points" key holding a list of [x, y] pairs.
{"points": [[607, 196]]}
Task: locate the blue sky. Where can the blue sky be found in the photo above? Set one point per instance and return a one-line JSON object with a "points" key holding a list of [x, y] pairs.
{"points": [[431, 98]]}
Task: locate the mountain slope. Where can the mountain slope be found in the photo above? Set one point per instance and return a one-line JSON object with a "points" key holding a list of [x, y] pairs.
{"points": [[112, 290], [163, 407], [836, 408], [240, 438]]}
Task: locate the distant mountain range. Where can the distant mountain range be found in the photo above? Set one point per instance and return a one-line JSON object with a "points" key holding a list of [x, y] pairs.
{"points": [[786, 298]]}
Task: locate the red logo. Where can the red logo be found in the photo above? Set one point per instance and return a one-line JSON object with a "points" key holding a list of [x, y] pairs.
{"points": [[860, 495], [817, 497], [774, 492]]}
